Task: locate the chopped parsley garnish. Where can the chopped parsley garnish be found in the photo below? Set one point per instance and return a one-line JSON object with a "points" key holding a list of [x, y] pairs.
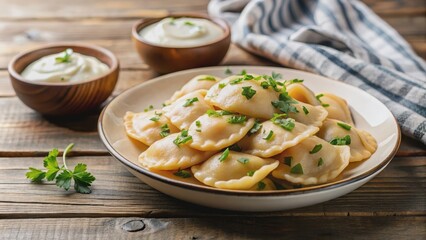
{"points": [[305, 110], [148, 108], [261, 185], [284, 104], [251, 173], [256, 127], [246, 77], [316, 149], [213, 113], [243, 160], [248, 92], [346, 140], [320, 162], [157, 116], [224, 155], [237, 119], [198, 130], [288, 82], [189, 23], [243, 72], [270, 82], [228, 71], [62, 175], [236, 81], [264, 84], [198, 123], [286, 123], [165, 130], [288, 160], [270, 136], [318, 97], [207, 78], [276, 76], [155, 119], [66, 58], [297, 169], [235, 147], [182, 138], [190, 101], [222, 85], [182, 173], [344, 126]]}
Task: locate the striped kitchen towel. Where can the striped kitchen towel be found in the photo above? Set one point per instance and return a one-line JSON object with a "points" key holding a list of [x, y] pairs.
{"points": [[340, 39]]}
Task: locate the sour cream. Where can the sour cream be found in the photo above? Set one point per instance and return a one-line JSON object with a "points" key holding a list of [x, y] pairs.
{"points": [[182, 32], [67, 66]]}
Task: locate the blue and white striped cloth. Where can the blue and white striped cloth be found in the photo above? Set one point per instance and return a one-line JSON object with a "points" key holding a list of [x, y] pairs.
{"points": [[340, 39]]}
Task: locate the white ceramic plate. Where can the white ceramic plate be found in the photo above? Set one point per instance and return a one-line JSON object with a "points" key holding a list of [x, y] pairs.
{"points": [[368, 112]]}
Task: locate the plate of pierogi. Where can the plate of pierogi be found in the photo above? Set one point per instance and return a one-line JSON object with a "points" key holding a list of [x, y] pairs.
{"points": [[250, 138]]}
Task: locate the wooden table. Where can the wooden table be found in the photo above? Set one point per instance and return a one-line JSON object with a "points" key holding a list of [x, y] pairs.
{"points": [[391, 206]]}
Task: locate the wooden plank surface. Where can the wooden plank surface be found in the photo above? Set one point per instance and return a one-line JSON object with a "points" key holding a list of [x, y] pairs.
{"points": [[391, 206], [398, 190], [389, 227], [61, 9]]}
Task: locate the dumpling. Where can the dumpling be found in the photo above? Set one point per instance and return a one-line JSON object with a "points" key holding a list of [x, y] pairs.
{"points": [[264, 185], [186, 109], [214, 131], [233, 170], [165, 154], [308, 114], [272, 138], [148, 127], [361, 143], [243, 96], [301, 93], [196, 83], [336, 107], [313, 161]]}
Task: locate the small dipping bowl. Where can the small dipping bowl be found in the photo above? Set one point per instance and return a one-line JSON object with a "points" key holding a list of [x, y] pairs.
{"points": [[69, 98], [170, 59]]}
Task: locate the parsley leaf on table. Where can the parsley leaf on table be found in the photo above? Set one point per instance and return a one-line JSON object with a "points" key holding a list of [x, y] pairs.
{"points": [[82, 178]]}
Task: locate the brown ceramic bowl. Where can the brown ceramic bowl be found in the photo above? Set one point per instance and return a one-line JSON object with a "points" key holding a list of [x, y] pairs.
{"points": [[170, 59], [72, 98]]}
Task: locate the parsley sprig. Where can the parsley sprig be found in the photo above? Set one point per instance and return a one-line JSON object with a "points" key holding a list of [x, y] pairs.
{"points": [[62, 175]]}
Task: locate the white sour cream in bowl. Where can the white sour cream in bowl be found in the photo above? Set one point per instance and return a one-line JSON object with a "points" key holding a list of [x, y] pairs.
{"points": [[64, 67], [182, 32]]}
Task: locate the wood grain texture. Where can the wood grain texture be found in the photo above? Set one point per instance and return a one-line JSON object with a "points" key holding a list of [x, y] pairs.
{"points": [[52, 9], [391, 206], [217, 228], [398, 190]]}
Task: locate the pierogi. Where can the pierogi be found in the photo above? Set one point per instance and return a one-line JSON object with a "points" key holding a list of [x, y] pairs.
{"points": [[250, 132]]}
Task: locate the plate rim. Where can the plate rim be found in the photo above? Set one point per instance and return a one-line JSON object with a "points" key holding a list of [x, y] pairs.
{"points": [[282, 192]]}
